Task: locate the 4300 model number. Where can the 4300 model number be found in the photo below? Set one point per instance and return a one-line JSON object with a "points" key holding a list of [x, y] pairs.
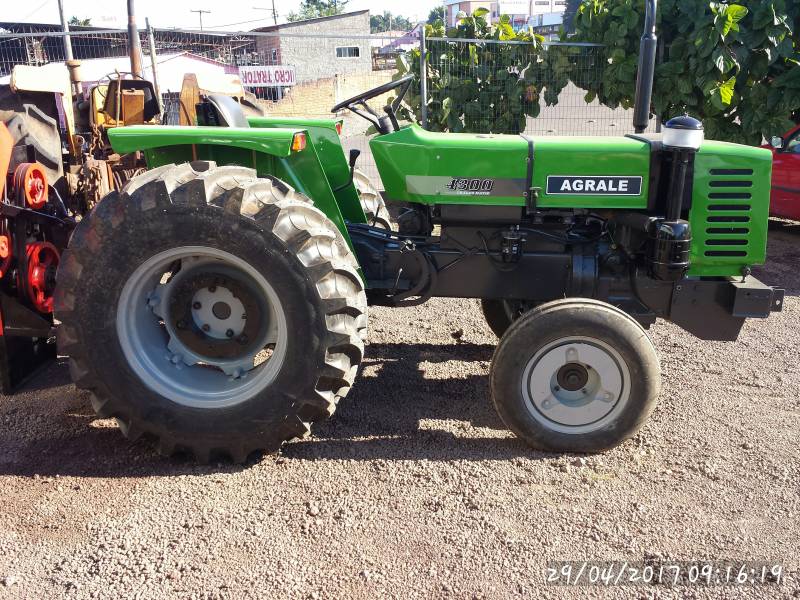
{"points": [[470, 186]]}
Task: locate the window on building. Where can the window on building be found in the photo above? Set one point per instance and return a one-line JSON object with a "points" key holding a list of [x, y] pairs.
{"points": [[542, 3], [275, 55], [348, 52]]}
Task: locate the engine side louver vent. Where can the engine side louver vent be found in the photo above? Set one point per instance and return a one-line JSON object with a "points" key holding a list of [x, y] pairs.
{"points": [[730, 204], [727, 237]]}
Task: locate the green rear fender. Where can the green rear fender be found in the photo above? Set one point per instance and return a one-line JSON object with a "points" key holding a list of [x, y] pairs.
{"points": [[268, 150], [324, 135], [277, 142]]}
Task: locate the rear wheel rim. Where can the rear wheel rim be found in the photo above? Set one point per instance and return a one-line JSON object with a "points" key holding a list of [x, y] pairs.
{"points": [[576, 385], [201, 327]]}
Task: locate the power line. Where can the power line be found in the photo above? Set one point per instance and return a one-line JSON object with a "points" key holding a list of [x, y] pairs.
{"points": [[239, 23], [35, 10], [274, 12], [200, 12]]}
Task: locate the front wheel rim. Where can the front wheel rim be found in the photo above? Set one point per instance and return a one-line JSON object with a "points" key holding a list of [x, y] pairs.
{"points": [[197, 355], [576, 385]]}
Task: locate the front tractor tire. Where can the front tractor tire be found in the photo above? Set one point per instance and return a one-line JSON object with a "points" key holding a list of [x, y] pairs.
{"points": [[219, 312], [575, 375]]}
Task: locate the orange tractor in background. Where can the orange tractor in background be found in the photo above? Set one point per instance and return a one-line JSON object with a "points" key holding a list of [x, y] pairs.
{"points": [[56, 163], [34, 228]]}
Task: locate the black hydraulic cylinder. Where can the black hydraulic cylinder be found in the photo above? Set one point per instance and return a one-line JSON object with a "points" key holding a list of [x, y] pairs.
{"points": [[647, 68]]}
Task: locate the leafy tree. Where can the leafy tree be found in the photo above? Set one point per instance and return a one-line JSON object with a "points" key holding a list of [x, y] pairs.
{"points": [[311, 9], [80, 22], [389, 22], [735, 66], [483, 87], [436, 14]]}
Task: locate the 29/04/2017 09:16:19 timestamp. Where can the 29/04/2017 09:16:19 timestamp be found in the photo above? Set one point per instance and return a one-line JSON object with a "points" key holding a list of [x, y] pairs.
{"points": [[670, 574]]}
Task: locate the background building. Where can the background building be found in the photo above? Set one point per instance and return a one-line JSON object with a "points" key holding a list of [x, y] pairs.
{"points": [[520, 11], [325, 56], [453, 7]]}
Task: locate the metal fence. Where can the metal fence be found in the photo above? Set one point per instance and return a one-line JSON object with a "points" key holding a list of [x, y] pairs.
{"points": [[330, 68], [499, 86]]}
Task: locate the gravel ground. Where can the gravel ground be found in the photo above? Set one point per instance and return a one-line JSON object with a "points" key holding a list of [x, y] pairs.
{"points": [[415, 489]]}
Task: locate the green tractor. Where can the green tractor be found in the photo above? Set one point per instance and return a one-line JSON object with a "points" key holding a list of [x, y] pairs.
{"points": [[219, 302]]}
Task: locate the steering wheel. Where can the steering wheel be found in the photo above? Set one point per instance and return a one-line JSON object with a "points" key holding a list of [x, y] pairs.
{"points": [[358, 105], [109, 77]]}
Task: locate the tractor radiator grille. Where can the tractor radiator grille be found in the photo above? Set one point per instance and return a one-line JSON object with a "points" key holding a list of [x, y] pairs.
{"points": [[729, 214], [730, 206]]}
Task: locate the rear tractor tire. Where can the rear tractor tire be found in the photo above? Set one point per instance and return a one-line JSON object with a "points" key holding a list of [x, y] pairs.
{"points": [[575, 375], [372, 203], [216, 311], [31, 119]]}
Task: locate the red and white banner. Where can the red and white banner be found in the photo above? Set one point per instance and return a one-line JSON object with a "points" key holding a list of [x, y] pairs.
{"points": [[272, 76]]}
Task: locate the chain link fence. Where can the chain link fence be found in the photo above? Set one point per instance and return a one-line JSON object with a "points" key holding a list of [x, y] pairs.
{"points": [[327, 69]]}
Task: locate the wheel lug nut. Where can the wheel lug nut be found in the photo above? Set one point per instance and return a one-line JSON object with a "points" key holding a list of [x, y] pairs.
{"points": [[212, 288], [229, 333], [584, 391], [206, 327], [242, 339], [197, 306], [181, 324]]}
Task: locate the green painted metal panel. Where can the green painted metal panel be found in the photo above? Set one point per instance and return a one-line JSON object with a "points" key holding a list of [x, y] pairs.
{"points": [[238, 146], [421, 166], [432, 160], [143, 137], [614, 158], [730, 208], [328, 146]]}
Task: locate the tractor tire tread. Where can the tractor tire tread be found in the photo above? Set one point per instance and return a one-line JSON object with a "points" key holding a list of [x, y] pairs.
{"points": [[276, 210], [372, 203]]}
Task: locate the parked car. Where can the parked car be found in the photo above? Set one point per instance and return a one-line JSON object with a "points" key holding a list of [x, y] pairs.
{"points": [[786, 175]]}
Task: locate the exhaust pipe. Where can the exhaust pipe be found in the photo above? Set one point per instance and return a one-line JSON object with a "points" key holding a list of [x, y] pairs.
{"points": [[647, 68], [134, 43]]}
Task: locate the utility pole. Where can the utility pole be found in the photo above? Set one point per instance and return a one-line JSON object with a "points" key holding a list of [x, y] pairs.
{"points": [[272, 10], [200, 12], [65, 29], [134, 43]]}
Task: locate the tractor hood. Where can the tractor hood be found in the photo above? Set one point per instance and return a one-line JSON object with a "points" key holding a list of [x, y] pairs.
{"points": [[571, 172]]}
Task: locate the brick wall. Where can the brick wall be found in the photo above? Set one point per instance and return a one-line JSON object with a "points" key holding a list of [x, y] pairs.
{"points": [[315, 98]]}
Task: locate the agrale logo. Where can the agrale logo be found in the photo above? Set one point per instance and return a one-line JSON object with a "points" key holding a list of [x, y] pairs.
{"points": [[596, 185]]}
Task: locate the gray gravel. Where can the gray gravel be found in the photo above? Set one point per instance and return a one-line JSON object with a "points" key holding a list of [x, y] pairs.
{"points": [[414, 489]]}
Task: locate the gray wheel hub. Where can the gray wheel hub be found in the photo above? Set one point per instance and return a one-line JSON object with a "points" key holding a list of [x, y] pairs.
{"points": [[576, 385], [192, 323]]}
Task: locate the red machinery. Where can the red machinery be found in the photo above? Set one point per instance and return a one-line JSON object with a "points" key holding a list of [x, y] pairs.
{"points": [[34, 228], [786, 175]]}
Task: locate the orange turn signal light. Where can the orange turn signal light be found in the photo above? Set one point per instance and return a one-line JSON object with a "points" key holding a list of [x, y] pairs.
{"points": [[298, 142]]}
